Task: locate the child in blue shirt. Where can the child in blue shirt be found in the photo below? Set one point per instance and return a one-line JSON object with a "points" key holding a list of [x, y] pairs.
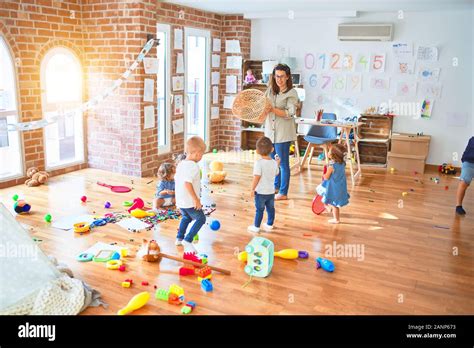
{"points": [[467, 173], [334, 187], [164, 196]]}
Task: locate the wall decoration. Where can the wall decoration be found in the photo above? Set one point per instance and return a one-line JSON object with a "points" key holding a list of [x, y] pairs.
{"points": [[405, 89], [426, 108]]}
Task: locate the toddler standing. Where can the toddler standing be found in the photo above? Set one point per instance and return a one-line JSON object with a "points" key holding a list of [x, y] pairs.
{"points": [[188, 190], [334, 187], [264, 172]]}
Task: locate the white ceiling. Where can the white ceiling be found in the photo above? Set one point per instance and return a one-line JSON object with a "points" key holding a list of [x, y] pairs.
{"points": [[328, 6]]}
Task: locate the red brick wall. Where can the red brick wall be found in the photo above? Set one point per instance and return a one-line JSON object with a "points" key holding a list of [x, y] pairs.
{"points": [[107, 35], [233, 28], [30, 29]]}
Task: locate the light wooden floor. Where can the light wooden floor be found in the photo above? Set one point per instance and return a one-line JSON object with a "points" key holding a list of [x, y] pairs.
{"points": [[408, 265]]}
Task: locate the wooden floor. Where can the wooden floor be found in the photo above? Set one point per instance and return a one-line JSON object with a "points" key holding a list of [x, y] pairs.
{"points": [[407, 267]]}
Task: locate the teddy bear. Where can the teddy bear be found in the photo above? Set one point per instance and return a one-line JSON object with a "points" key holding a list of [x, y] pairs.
{"points": [[36, 177], [217, 173], [149, 251]]}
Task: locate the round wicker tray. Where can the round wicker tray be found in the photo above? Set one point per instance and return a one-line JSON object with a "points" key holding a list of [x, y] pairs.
{"points": [[251, 105]]}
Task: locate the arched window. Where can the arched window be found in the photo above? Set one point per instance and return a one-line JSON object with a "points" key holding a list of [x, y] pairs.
{"points": [[11, 158], [61, 89]]}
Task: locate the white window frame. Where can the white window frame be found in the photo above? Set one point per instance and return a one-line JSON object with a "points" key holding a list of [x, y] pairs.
{"points": [[207, 35], [14, 113], [67, 106], [166, 148]]}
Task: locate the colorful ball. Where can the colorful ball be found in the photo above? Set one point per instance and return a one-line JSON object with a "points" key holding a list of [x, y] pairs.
{"points": [[47, 218], [15, 197], [107, 205], [21, 207], [214, 151], [83, 199], [215, 225]]}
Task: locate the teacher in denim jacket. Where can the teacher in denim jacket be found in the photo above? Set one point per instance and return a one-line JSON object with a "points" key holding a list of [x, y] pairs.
{"points": [[280, 126]]}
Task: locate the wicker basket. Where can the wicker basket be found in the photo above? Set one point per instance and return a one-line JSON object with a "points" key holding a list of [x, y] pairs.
{"points": [[251, 105]]}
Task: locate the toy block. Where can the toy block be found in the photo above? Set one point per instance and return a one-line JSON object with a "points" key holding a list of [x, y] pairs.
{"points": [[144, 283], [206, 285], [203, 258], [162, 294], [122, 268], [174, 299], [186, 310], [129, 280], [200, 279], [183, 271], [204, 272], [191, 256], [181, 298], [191, 304], [126, 284], [175, 289]]}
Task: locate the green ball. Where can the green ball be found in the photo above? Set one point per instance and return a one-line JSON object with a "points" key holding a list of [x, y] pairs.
{"points": [[15, 197], [47, 218], [214, 151]]}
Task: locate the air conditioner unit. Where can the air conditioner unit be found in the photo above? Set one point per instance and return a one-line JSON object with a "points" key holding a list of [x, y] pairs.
{"points": [[365, 32]]}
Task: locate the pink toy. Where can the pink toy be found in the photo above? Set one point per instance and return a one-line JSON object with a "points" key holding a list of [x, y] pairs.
{"points": [[137, 204]]}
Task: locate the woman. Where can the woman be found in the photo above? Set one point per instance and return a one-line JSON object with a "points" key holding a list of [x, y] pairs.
{"points": [[280, 126]]}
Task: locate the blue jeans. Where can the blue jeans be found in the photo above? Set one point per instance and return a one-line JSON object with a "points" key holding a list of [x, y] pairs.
{"points": [[188, 215], [282, 180], [262, 201]]}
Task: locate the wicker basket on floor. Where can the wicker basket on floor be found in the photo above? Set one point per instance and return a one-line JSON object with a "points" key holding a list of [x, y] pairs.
{"points": [[251, 105]]}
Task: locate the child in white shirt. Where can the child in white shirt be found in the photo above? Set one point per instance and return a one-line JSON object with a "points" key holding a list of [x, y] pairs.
{"points": [[264, 172], [187, 191]]}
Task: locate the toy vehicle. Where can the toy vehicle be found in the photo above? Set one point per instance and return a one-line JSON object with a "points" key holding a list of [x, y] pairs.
{"points": [[446, 168], [259, 257]]}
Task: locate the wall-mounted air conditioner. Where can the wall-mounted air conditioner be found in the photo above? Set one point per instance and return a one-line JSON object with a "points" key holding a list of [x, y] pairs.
{"points": [[365, 32]]}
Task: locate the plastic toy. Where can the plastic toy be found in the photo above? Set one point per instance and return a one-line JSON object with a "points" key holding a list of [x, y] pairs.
{"points": [[186, 309], [191, 304], [184, 271], [317, 205], [196, 238], [446, 168], [206, 285], [145, 283], [118, 189], [47, 218], [107, 205], [84, 257], [259, 257], [81, 227], [325, 264], [404, 194], [174, 299], [21, 207], [113, 264], [242, 256], [162, 294], [122, 268], [289, 254], [392, 170], [126, 284], [104, 256], [138, 213], [175, 289], [215, 225], [214, 150], [446, 188], [84, 199], [15, 197], [123, 252], [127, 204], [204, 272], [137, 204], [303, 254], [217, 173], [137, 301], [115, 256]]}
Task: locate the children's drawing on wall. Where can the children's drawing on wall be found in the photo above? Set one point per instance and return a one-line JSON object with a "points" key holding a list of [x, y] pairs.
{"points": [[405, 67], [403, 50], [428, 74], [349, 102], [379, 84], [3, 132], [426, 108], [339, 83], [354, 83], [427, 53], [377, 62], [405, 89], [431, 89]]}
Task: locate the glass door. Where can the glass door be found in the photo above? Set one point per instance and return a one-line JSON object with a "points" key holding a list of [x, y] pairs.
{"points": [[197, 64]]}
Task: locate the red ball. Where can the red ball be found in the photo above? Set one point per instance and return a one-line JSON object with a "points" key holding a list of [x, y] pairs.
{"points": [[84, 199]]}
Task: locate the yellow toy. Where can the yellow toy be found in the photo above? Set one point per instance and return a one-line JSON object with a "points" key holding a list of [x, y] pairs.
{"points": [[137, 301], [217, 173], [138, 213], [289, 254], [113, 264]]}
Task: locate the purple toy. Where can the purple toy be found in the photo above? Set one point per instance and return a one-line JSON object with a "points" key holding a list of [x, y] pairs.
{"points": [[303, 254], [107, 205]]}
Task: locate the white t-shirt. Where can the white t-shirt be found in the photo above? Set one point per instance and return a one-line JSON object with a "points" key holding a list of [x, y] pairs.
{"points": [[187, 171], [267, 169]]}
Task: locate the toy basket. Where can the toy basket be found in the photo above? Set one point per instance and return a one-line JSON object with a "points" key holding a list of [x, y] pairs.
{"points": [[251, 105]]}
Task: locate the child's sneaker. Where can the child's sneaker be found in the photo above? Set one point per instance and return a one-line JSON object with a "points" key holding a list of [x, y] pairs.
{"points": [[266, 227], [253, 229], [460, 210], [178, 242], [189, 247]]}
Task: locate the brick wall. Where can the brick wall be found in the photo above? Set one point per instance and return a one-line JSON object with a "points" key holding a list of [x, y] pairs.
{"points": [[30, 29], [107, 35]]}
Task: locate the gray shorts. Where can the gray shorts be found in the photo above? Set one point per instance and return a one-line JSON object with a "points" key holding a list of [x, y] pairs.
{"points": [[467, 172]]}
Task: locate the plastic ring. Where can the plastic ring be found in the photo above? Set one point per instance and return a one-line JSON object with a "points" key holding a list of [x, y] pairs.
{"points": [[84, 257], [113, 264], [81, 227]]}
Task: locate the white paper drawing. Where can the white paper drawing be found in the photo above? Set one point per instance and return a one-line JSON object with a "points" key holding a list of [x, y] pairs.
{"points": [[431, 89], [429, 53], [178, 104], [231, 84], [379, 83], [216, 61], [178, 126], [228, 101], [428, 74], [403, 50], [150, 65], [178, 83], [234, 62], [178, 39], [149, 90], [405, 88], [149, 112], [215, 95], [214, 112], [216, 45], [232, 46], [180, 64], [215, 78]]}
